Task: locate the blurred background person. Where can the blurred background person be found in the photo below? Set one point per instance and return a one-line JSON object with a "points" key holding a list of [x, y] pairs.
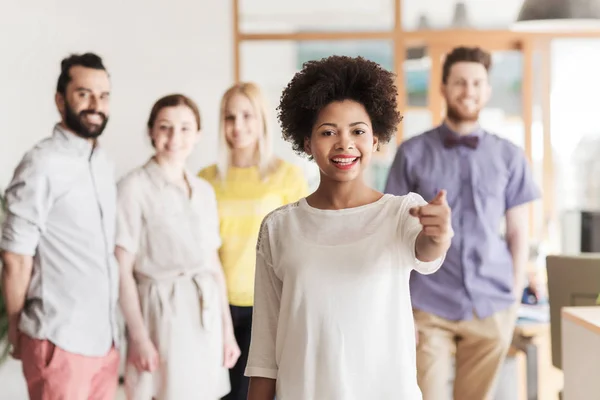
{"points": [[249, 182], [173, 294], [468, 309]]}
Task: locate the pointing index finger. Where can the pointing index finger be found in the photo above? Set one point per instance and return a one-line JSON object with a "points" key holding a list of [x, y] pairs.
{"points": [[440, 198]]}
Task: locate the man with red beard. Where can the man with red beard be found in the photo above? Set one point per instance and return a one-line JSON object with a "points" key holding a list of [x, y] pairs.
{"points": [[467, 310], [60, 277]]}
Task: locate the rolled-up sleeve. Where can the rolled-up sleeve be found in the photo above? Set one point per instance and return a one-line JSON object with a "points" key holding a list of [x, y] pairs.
{"points": [[521, 188], [29, 200], [129, 216]]}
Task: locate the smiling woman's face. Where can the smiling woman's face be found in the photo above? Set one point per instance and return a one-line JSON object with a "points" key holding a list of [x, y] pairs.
{"points": [[342, 140], [175, 133]]}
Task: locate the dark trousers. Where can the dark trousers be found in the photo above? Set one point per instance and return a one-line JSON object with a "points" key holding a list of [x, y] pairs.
{"points": [[242, 327]]}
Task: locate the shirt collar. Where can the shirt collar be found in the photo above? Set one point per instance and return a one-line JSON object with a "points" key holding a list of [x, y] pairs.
{"points": [[444, 130], [84, 147], [159, 178]]}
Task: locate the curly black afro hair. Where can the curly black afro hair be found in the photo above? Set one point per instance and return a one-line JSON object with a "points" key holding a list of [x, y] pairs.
{"points": [[338, 78]]}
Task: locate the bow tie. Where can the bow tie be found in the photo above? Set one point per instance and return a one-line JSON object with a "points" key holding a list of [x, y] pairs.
{"points": [[470, 141]]}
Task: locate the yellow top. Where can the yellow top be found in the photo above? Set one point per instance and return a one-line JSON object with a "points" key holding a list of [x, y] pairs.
{"points": [[243, 200]]}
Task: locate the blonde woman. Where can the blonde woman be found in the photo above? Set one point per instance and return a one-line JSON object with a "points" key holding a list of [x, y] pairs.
{"points": [[172, 291], [249, 182]]}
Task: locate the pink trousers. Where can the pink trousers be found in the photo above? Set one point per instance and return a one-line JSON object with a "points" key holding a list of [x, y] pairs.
{"points": [[55, 374]]}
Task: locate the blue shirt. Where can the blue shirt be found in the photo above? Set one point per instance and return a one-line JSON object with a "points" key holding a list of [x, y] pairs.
{"points": [[481, 184]]}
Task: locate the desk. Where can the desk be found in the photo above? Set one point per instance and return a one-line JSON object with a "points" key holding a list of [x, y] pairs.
{"points": [[581, 352]]}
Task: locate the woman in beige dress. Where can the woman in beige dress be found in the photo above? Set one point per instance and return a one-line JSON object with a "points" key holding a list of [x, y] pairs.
{"points": [[172, 293]]}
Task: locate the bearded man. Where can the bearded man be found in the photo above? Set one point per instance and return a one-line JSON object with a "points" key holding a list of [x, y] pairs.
{"points": [[60, 276], [466, 311]]}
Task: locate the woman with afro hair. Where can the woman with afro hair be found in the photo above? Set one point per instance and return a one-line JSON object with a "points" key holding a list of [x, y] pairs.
{"points": [[332, 313]]}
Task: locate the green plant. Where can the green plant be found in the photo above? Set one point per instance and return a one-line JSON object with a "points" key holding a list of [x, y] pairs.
{"points": [[4, 346]]}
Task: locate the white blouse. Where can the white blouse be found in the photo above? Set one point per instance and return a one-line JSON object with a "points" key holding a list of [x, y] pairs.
{"points": [[332, 313]]}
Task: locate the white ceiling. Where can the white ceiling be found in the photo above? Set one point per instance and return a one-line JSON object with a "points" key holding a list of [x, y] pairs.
{"points": [[265, 15]]}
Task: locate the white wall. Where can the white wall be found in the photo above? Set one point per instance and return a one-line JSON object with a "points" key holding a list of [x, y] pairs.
{"points": [[150, 47]]}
